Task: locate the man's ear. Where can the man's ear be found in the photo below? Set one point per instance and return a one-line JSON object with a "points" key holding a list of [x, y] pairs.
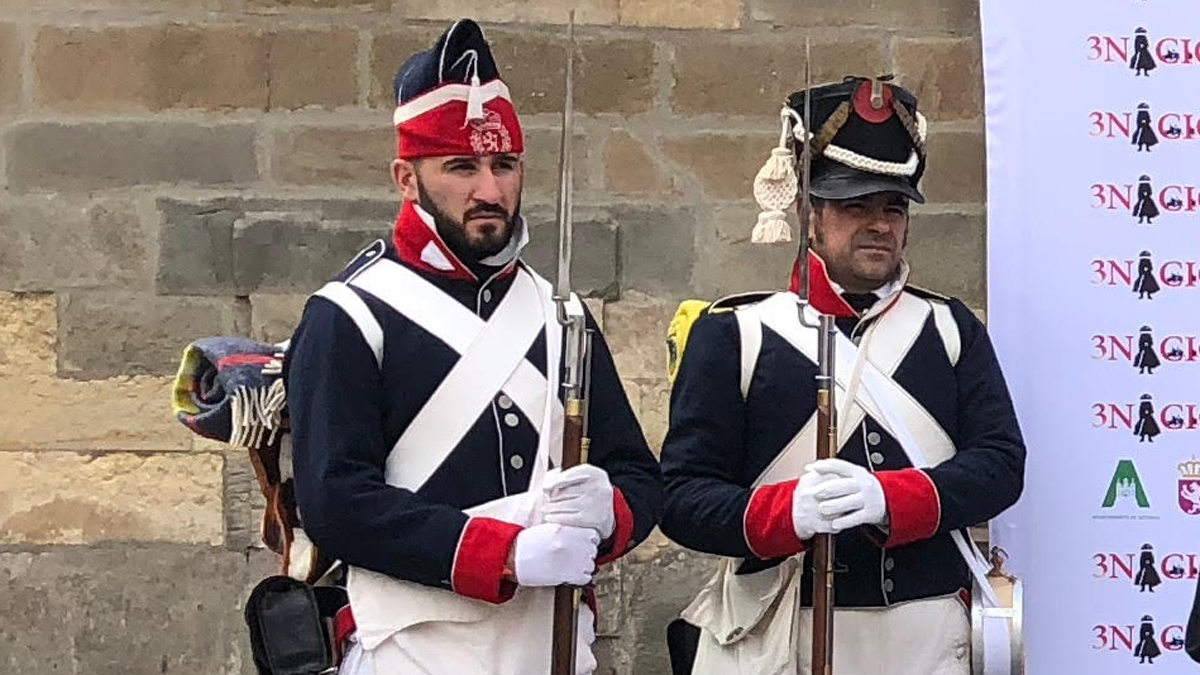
{"points": [[404, 175]]}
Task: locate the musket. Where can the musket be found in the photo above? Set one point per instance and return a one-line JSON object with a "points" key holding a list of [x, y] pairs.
{"points": [[822, 552], [576, 370]]}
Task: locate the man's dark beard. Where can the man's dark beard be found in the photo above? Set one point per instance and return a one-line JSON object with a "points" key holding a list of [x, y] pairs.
{"points": [[454, 233]]}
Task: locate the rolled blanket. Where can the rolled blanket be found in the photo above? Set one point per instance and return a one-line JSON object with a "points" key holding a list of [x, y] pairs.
{"points": [[230, 389]]}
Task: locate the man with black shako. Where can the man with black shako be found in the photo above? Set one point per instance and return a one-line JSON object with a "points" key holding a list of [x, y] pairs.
{"points": [[928, 439]]}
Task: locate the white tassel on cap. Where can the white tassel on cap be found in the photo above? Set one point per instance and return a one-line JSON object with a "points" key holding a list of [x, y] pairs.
{"points": [[475, 94], [475, 100], [775, 189]]}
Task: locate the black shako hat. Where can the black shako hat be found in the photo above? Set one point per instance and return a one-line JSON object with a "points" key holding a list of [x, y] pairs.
{"points": [[867, 137]]}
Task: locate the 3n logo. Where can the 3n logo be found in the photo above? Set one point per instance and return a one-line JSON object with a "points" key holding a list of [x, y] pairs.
{"points": [[1125, 484]]}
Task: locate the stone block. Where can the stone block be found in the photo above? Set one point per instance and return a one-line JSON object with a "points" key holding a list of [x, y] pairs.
{"points": [[682, 14], [211, 67], [150, 6], [127, 413], [596, 307], [951, 16], [742, 77], [389, 51], [957, 168], [197, 242], [541, 164], [609, 599], [109, 333], [611, 75], [243, 503], [602, 12], [290, 253], [58, 241], [637, 335], [312, 67], [333, 156], [274, 317], [630, 170], [656, 591], [732, 175], [945, 74], [76, 498], [10, 66], [52, 156], [195, 254], [594, 266], [291, 5], [728, 263], [658, 249], [948, 255], [151, 67], [131, 609], [28, 333], [651, 402]]}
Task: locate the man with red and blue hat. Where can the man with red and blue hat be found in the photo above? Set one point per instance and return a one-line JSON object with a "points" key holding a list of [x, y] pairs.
{"points": [[928, 442], [424, 392]]}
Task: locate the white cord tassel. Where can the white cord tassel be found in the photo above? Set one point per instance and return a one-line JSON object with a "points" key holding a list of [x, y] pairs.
{"points": [[775, 189], [772, 228], [475, 100]]}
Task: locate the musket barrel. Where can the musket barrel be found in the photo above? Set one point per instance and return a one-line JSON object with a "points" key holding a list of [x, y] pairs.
{"points": [[823, 544], [575, 368]]}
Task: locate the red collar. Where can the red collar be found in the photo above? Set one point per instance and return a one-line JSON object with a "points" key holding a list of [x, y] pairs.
{"points": [[821, 294], [420, 246]]}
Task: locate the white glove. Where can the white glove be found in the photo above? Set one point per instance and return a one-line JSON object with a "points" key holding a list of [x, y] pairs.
{"points": [[580, 497], [806, 516], [850, 495], [552, 555], [585, 635]]}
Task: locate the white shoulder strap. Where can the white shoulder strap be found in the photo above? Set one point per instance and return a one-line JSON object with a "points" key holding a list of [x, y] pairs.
{"points": [[343, 296], [948, 328], [750, 331]]}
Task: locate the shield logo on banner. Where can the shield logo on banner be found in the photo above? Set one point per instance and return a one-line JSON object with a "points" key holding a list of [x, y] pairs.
{"points": [[1189, 496], [1189, 487]]}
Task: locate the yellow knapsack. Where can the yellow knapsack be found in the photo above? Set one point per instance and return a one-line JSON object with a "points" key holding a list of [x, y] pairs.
{"points": [[689, 312]]}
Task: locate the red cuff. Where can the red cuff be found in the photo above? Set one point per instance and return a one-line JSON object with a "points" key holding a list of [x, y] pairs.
{"points": [[478, 570], [617, 545], [914, 509], [767, 522]]}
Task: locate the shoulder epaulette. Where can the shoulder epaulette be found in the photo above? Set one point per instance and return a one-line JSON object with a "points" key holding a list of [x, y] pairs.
{"points": [[364, 257], [926, 293], [732, 302]]}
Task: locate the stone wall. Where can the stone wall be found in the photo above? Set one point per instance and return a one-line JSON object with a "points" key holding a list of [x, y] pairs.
{"points": [[179, 168]]}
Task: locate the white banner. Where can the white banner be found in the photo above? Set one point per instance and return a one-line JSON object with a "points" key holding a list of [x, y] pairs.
{"points": [[1093, 125]]}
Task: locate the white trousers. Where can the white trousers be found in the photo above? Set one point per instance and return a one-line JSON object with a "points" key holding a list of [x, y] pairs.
{"points": [[444, 648]]}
